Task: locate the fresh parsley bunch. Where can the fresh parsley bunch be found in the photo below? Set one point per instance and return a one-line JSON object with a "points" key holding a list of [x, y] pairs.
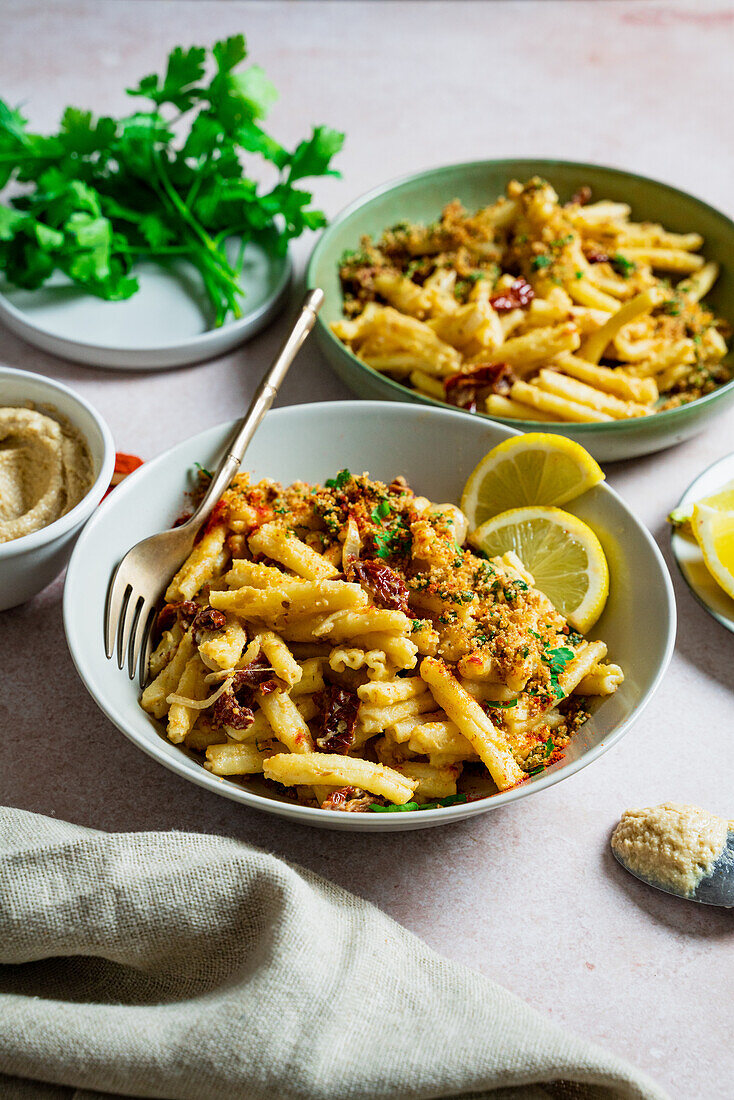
{"points": [[160, 183]]}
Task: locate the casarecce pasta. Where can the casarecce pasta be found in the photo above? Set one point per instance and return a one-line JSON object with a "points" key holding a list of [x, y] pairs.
{"points": [[533, 310], [343, 646]]}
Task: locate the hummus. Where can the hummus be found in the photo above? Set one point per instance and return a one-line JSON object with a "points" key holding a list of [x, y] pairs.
{"points": [[45, 470], [675, 846]]}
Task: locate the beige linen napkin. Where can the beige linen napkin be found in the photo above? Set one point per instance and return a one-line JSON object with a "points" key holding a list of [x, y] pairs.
{"points": [[193, 967]]}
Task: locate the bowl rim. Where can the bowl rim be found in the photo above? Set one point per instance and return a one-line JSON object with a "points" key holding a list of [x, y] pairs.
{"points": [[722, 620], [153, 746], [205, 339], [60, 526], [665, 418]]}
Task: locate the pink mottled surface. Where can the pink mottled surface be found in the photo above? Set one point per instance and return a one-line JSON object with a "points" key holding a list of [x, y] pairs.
{"points": [[529, 895]]}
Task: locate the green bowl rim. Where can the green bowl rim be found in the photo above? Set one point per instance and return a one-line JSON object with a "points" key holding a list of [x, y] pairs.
{"points": [[662, 418]]}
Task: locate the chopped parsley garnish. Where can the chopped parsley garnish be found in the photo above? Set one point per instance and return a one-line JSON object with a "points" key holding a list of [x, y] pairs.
{"points": [[203, 470], [548, 748], [339, 481], [395, 540], [579, 274], [556, 660], [451, 800], [541, 262], [380, 512], [623, 266], [416, 625], [497, 703]]}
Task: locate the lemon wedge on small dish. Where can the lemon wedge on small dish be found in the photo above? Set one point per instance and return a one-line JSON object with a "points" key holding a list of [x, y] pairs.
{"points": [[561, 551], [722, 500], [713, 529], [537, 468]]}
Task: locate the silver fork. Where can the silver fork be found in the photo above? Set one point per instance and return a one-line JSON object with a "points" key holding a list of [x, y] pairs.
{"points": [[141, 578]]}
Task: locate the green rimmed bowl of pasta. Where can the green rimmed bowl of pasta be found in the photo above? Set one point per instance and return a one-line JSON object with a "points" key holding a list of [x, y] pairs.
{"points": [[546, 295]]}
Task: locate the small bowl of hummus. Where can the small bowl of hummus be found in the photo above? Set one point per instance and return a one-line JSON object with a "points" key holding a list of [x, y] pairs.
{"points": [[56, 460]]}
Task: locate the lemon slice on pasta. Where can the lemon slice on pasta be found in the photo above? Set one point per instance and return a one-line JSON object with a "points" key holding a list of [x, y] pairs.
{"points": [[537, 468], [561, 551]]}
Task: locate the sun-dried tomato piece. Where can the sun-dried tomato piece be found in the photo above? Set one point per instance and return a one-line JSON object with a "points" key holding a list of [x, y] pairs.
{"points": [[348, 799], [166, 618], [208, 619], [337, 798], [596, 256], [184, 613], [465, 389], [582, 196], [338, 719], [229, 711], [518, 296], [253, 675], [269, 686], [387, 588]]}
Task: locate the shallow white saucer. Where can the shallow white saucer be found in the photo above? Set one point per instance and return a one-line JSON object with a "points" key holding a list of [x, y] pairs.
{"points": [[167, 323], [436, 449], [687, 552]]}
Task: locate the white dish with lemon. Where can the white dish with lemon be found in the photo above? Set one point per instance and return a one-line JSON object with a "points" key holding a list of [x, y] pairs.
{"points": [[436, 450], [704, 548]]}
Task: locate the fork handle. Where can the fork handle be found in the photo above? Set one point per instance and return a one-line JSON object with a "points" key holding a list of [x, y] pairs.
{"points": [[261, 402]]}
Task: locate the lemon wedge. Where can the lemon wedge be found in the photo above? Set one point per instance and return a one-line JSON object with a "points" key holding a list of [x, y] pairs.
{"points": [[562, 553], [713, 530], [537, 468], [722, 500]]}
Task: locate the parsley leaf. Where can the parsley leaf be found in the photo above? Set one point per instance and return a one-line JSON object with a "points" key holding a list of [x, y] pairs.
{"points": [[450, 800], [106, 193], [623, 266], [380, 512], [556, 660], [339, 481]]}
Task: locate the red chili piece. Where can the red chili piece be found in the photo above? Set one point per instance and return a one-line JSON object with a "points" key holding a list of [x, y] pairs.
{"points": [[518, 296], [387, 588], [338, 720], [465, 389]]}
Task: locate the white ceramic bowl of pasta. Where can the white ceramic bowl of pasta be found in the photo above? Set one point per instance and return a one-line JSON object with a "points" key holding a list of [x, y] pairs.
{"points": [[435, 449], [29, 563]]}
